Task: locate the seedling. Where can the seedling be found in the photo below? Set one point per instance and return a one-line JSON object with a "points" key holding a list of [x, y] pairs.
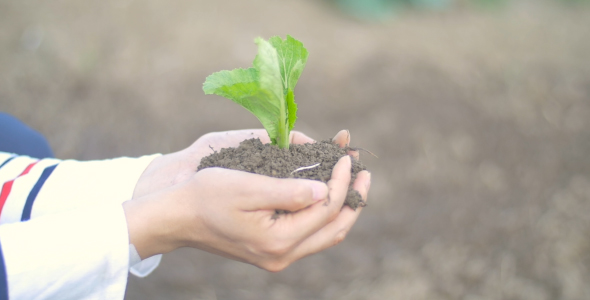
{"points": [[267, 88]]}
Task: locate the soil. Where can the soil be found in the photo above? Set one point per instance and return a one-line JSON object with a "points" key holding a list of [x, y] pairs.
{"points": [[296, 162]]}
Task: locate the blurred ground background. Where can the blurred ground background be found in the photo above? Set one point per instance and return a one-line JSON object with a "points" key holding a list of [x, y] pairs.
{"points": [[480, 117]]}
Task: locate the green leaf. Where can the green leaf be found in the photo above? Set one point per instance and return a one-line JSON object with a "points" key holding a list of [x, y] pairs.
{"points": [[269, 78], [233, 85], [242, 86], [267, 65], [292, 59], [266, 90]]}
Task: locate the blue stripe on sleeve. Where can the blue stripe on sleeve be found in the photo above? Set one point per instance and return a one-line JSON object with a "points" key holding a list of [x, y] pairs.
{"points": [[6, 161], [33, 194], [3, 278]]}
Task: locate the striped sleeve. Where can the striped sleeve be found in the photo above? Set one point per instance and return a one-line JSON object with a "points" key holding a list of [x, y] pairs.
{"points": [[77, 183], [22, 178], [32, 189]]}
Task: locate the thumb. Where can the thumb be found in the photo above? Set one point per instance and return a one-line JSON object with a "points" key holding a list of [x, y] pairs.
{"points": [[290, 194]]}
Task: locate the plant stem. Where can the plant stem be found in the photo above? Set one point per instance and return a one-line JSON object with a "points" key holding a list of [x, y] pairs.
{"points": [[283, 138]]}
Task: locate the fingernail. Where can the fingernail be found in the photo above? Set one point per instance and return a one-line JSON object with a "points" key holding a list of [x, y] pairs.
{"points": [[347, 137], [320, 190], [368, 182]]}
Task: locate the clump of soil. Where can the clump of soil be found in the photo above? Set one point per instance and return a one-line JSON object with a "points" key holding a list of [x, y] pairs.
{"points": [[255, 157]]}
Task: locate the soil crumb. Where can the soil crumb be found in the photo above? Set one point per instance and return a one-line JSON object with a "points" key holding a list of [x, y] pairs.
{"points": [[308, 161]]}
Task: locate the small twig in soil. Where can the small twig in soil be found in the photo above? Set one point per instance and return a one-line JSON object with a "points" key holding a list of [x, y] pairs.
{"points": [[212, 149], [358, 148], [306, 168]]}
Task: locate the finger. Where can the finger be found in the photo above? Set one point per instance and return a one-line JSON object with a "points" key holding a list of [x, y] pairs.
{"points": [[362, 184], [330, 235], [297, 137], [335, 232], [340, 180], [306, 222], [342, 138], [354, 154], [268, 193]]}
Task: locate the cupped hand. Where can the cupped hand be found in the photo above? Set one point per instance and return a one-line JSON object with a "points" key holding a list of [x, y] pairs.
{"points": [[230, 213], [170, 169]]}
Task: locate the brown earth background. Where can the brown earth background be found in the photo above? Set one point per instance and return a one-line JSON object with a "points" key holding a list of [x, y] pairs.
{"points": [[480, 119]]}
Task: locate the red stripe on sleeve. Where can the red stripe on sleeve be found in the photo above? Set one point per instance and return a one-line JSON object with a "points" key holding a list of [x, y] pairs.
{"points": [[7, 187]]}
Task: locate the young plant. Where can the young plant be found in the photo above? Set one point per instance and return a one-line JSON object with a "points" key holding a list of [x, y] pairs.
{"points": [[266, 89]]}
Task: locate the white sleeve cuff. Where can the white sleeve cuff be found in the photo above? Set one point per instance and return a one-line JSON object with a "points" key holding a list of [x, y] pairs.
{"points": [[142, 268], [79, 254]]}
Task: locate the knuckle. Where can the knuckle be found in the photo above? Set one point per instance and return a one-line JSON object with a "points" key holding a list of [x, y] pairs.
{"points": [[275, 266], [277, 249], [340, 237], [299, 195], [333, 214]]}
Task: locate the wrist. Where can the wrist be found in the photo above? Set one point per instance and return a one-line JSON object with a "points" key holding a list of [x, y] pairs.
{"points": [[152, 225]]}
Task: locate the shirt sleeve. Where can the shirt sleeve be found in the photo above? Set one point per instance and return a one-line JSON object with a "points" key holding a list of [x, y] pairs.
{"points": [[33, 188], [38, 189], [77, 183], [78, 254]]}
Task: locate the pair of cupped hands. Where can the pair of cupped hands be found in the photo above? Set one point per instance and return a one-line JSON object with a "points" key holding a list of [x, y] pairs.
{"points": [[230, 213]]}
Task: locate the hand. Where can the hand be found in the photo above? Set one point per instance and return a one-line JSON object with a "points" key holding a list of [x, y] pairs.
{"points": [[174, 168], [230, 213]]}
